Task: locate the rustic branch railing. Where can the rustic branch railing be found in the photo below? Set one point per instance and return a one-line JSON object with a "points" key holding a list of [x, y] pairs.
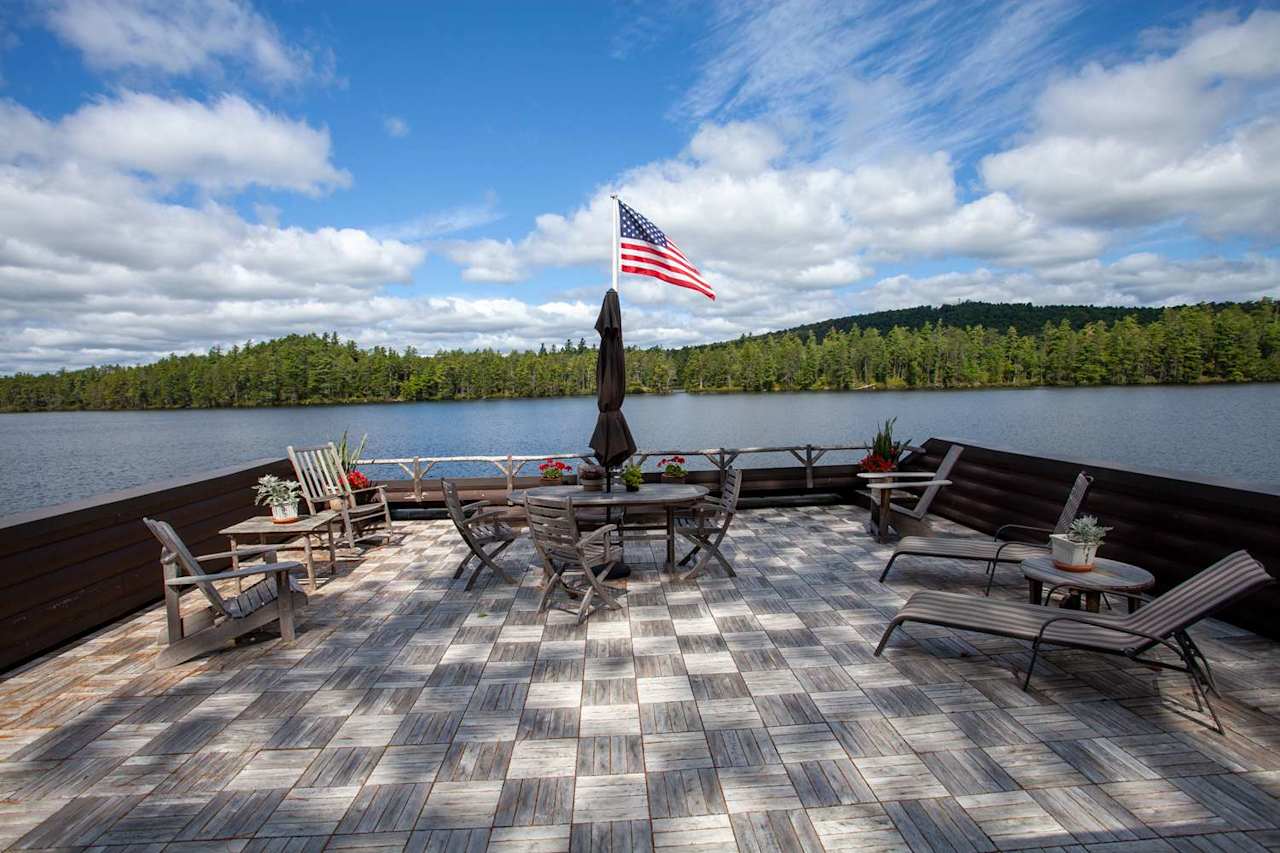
{"points": [[510, 466]]}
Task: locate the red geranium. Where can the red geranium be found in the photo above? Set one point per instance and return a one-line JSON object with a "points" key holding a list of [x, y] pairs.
{"points": [[873, 463], [357, 480], [673, 467], [553, 469]]}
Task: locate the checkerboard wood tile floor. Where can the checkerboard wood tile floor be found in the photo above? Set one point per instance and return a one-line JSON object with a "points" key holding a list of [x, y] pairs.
{"points": [[727, 713]]}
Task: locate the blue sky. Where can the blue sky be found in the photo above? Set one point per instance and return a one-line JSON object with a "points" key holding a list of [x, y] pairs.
{"points": [[175, 175]]}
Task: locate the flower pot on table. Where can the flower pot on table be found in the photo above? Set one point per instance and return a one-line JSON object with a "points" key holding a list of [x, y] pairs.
{"points": [[1072, 556], [673, 478]]}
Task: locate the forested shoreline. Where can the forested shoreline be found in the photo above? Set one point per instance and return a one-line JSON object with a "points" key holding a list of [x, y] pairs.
{"points": [[1190, 344]]}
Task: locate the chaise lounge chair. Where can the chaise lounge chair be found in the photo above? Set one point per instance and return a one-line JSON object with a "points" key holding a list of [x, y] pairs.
{"points": [[998, 549], [1163, 622]]}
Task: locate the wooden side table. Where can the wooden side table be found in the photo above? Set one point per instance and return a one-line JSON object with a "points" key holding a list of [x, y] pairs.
{"points": [[320, 524], [1107, 576]]}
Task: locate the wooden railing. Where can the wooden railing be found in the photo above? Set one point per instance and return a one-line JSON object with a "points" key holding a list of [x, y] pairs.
{"points": [[510, 466]]}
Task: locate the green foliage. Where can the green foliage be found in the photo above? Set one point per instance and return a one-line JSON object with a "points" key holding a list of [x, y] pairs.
{"points": [[883, 444], [1074, 345], [272, 491], [348, 456], [632, 475], [1086, 530]]}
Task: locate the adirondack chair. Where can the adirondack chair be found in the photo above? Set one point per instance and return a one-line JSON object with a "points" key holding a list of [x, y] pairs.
{"points": [[572, 562], [324, 486], [224, 619], [708, 524], [931, 483], [480, 526]]}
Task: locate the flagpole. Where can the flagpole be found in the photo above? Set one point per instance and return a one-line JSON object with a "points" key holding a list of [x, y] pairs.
{"points": [[613, 246]]}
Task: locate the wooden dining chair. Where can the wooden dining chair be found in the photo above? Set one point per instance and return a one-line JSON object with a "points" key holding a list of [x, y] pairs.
{"points": [[573, 562]]}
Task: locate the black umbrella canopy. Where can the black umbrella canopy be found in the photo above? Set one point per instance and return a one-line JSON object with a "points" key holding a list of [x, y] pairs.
{"points": [[612, 440]]}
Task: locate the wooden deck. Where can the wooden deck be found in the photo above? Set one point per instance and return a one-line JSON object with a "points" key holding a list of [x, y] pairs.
{"points": [[743, 713]]}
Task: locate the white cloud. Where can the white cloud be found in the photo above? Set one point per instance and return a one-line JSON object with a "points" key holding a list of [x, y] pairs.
{"points": [[178, 37], [443, 222], [396, 127], [1138, 279], [1185, 135], [224, 145]]}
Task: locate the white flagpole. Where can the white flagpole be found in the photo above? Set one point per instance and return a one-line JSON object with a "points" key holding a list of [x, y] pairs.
{"points": [[614, 260]]}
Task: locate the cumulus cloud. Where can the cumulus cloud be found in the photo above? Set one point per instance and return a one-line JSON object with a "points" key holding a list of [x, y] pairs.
{"points": [[179, 37], [224, 145], [1183, 135], [1139, 279]]}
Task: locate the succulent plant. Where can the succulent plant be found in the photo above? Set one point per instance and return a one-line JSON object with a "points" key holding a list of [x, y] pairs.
{"points": [[1087, 531]]}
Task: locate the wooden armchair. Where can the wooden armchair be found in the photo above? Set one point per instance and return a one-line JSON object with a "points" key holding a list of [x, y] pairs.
{"points": [[224, 619], [572, 561], [480, 526], [708, 523], [325, 486]]}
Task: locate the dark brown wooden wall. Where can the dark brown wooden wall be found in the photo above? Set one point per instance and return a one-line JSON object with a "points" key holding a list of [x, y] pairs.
{"points": [[1171, 527], [69, 569]]}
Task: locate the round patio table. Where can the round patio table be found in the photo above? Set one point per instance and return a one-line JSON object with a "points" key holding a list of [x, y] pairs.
{"points": [[669, 496], [1107, 576]]}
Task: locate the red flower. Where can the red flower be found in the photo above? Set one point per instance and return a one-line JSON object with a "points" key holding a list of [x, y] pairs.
{"points": [[873, 463], [357, 480]]}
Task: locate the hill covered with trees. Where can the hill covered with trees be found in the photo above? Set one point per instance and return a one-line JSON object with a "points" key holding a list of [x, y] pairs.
{"points": [[917, 349]]}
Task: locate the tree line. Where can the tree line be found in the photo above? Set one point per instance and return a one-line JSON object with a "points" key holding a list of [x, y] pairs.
{"points": [[1189, 344]]}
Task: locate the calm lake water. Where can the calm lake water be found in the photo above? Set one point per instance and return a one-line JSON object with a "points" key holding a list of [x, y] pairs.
{"points": [[1222, 431]]}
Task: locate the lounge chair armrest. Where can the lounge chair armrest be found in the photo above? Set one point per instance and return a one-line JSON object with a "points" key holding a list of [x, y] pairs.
{"points": [[474, 505], [257, 569], [1109, 626], [1029, 527], [880, 487], [246, 551]]}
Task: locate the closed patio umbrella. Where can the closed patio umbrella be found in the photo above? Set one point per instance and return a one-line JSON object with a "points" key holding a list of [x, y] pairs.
{"points": [[612, 440]]}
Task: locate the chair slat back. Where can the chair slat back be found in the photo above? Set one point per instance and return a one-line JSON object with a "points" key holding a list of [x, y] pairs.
{"points": [[1074, 501], [176, 550], [553, 527], [319, 472], [921, 508], [1232, 577], [453, 505], [727, 503]]}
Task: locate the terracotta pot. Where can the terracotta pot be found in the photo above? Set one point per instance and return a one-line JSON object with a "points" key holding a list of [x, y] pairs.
{"points": [[671, 478], [631, 488], [1072, 556]]}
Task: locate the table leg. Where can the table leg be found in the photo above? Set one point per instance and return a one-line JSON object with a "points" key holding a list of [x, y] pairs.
{"points": [[1035, 590], [671, 539], [311, 564], [1092, 601], [235, 563], [284, 603], [885, 512], [333, 551]]}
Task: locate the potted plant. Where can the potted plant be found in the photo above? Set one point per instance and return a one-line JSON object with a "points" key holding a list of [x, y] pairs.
{"points": [[591, 478], [1075, 550], [884, 452], [552, 471], [673, 470], [281, 496], [632, 477]]}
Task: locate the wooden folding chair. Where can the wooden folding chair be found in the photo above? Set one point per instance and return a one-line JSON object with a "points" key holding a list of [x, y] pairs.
{"points": [[572, 562], [325, 486], [480, 526], [707, 525]]}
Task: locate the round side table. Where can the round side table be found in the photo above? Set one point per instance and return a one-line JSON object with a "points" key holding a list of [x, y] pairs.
{"points": [[1107, 576]]}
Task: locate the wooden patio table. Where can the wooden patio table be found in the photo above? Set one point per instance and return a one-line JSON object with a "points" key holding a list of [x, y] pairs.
{"points": [[669, 496], [320, 524], [1107, 576], [884, 482]]}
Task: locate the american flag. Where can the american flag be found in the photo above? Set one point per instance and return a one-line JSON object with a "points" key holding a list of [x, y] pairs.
{"points": [[644, 250]]}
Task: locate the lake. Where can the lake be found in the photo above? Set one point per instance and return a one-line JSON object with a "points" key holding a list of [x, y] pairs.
{"points": [[1218, 430]]}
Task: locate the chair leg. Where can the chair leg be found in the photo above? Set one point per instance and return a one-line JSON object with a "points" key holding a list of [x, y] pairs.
{"points": [[684, 561], [487, 559], [888, 632], [887, 567], [1035, 651], [462, 567], [584, 609], [991, 576], [719, 555]]}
